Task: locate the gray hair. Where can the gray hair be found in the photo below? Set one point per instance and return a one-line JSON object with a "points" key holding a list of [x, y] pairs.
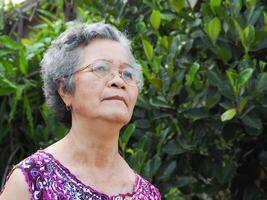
{"points": [[63, 56]]}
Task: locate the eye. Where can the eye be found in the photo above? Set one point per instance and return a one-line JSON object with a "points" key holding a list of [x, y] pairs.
{"points": [[128, 75], [101, 69]]}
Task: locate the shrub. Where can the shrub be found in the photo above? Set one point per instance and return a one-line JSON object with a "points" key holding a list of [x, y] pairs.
{"points": [[199, 127]]}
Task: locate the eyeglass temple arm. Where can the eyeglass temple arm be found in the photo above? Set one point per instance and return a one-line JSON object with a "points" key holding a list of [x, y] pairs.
{"points": [[83, 68]]}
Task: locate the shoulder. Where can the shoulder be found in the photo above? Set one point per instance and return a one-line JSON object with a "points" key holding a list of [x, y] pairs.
{"points": [[21, 177], [148, 189], [16, 184]]}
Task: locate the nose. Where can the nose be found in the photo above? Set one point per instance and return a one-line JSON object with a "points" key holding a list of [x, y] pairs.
{"points": [[116, 80]]}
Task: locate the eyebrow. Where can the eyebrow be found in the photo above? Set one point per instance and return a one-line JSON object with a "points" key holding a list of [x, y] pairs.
{"points": [[109, 60]]}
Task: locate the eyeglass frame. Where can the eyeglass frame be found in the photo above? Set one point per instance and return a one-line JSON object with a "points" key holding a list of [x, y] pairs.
{"points": [[91, 65]]}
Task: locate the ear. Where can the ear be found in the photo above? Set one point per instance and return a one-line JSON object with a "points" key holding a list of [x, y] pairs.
{"points": [[65, 95]]}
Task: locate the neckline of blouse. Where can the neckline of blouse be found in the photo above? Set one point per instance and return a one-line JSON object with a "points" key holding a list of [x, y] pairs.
{"points": [[128, 194]]}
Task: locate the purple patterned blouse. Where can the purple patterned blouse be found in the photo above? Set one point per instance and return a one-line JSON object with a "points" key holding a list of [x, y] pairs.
{"points": [[48, 179]]}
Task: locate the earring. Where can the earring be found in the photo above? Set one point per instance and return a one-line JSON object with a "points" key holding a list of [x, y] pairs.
{"points": [[68, 108]]}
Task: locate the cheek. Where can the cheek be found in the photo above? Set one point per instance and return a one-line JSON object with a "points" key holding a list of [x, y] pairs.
{"points": [[133, 98], [87, 94]]}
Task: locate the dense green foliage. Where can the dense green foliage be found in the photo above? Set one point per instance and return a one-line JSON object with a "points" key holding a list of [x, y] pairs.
{"points": [[199, 130]]}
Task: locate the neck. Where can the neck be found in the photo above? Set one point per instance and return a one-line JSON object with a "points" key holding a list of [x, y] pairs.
{"points": [[97, 147]]}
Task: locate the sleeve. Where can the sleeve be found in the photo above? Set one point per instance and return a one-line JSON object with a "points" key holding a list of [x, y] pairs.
{"points": [[24, 176], [30, 169], [156, 194]]}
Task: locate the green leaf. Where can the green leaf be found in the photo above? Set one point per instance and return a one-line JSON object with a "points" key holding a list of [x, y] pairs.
{"points": [[26, 42], [124, 139], [155, 19], [6, 91], [228, 91], [215, 79], [242, 103], [155, 164], [168, 16], [169, 169], [213, 28], [178, 5], [184, 181], [159, 103], [8, 42], [19, 92], [249, 35], [175, 194], [148, 48], [14, 102], [253, 124], [173, 148], [232, 76], [166, 41], [197, 114], [10, 70], [262, 82], [265, 19], [224, 54], [1, 15], [137, 161], [224, 172], [228, 115], [45, 19], [244, 76], [212, 100], [4, 82], [28, 112], [242, 37], [215, 3], [23, 63], [239, 30], [157, 82], [191, 74], [253, 15], [251, 2], [156, 64]]}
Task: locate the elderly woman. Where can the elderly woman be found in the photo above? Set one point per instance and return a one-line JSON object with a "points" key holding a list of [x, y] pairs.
{"points": [[91, 83]]}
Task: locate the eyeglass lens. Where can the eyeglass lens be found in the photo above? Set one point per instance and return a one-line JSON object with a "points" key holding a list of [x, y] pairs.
{"points": [[104, 68]]}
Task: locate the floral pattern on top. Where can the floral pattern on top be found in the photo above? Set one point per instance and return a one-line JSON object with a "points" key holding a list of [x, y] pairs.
{"points": [[48, 179]]}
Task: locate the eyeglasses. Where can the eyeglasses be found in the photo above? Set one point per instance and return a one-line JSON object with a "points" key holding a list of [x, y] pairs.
{"points": [[105, 69]]}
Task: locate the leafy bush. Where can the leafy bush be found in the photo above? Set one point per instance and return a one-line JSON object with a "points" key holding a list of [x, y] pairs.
{"points": [[199, 127]]}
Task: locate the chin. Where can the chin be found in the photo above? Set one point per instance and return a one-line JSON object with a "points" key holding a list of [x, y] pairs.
{"points": [[116, 114], [121, 116], [118, 118]]}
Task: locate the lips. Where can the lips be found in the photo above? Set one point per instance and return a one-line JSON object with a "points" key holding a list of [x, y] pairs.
{"points": [[116, 97]]}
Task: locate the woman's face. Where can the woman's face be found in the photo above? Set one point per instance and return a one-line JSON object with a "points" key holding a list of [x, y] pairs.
{"points": [[108, 98]]}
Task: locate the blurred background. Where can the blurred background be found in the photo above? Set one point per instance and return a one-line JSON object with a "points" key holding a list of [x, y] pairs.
{"points": [[199, 130]]}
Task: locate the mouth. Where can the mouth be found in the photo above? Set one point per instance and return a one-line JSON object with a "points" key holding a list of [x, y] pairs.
{"points": [[116, 97]]}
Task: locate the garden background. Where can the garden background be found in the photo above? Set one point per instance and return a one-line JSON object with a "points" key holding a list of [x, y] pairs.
{"points": [[199, 130]]}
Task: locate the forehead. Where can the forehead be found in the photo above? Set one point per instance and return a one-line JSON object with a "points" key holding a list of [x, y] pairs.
{"points": [[104, 49]]}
